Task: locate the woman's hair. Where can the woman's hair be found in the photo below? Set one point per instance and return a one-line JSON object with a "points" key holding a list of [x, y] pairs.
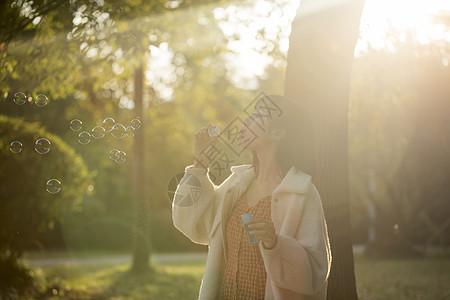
{"points": [[296, 148]]}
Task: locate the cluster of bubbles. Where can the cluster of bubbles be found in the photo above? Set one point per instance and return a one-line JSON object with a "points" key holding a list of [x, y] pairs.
{"points": [[41, 146], [109, 125], [40, 100]]}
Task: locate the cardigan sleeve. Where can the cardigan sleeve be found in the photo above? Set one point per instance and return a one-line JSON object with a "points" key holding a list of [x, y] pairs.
{"points": [[194, 205], [302, 263]]}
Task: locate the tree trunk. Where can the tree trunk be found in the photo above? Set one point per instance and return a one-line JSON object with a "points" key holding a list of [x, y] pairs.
{"points": [[141, 235], [318, 72]]}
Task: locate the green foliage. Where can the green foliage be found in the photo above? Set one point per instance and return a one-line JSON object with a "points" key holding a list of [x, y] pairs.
{"points": [[17, 280], [26, 207]]}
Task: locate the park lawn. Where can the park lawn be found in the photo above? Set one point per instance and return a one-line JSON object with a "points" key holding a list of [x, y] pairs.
{"points": [[403, 279], [383, 279], [167, 281]]}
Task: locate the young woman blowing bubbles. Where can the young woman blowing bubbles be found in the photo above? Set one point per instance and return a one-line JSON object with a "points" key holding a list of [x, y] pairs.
{"points": [[292, 258]]}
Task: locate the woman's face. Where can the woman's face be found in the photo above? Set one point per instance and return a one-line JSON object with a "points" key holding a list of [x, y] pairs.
{"points": [[256, 128]]}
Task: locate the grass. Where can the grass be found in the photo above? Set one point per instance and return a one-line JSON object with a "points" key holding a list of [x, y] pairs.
{"points": [[403, 279], [383, 279], [106, 281]]}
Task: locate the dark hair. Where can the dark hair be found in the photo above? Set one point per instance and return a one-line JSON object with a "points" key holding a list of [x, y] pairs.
{"points": [[297, 147]]}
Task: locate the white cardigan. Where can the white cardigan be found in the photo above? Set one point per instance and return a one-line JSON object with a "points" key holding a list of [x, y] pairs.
{"points": [[298, 266]]}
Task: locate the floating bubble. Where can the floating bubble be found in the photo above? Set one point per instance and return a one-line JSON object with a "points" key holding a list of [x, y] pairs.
{"points": [[108, 124], [84, 138], [136, 123], [53, 186], [119, 131], [20, 98], [98, 132], [15, 147], [214, 130], [41, 100], [130, 131], [42, 146], [121, 157], [113, 154], [75, 124]]}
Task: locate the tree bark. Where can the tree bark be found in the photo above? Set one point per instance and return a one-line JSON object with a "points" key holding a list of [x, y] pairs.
{"points": [[320, 58], [141, 235]]}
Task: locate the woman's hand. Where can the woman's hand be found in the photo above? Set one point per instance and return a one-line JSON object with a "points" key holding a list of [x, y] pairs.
{"points": [[264, 230], [202, 142]]}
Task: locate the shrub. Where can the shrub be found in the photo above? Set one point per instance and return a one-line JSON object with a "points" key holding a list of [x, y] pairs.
{"points": [[26, 208]]}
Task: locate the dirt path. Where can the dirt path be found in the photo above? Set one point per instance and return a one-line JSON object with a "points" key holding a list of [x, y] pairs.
{"points": [[126, 259], [121, 259]]}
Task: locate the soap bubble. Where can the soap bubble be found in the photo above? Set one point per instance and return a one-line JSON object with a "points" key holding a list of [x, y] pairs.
{"points": [[75, 124], [53, 186], [42, 146], [41, 100], [15, 147], [84, 137], [130, 131], [119, 131], [20, 98], [136, 123], [214, 130], [108, 124], [98, 132], [121, 157], [113, 154]]}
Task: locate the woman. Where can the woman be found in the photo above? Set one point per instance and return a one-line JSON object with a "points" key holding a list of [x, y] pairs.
{"points": [[292, 258]]}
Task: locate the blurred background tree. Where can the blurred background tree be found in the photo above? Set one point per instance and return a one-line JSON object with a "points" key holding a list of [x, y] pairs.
{"points": [[400, 133]]}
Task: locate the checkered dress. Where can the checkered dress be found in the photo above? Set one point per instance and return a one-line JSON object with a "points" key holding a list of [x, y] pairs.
{"points": [[244, 275]]}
